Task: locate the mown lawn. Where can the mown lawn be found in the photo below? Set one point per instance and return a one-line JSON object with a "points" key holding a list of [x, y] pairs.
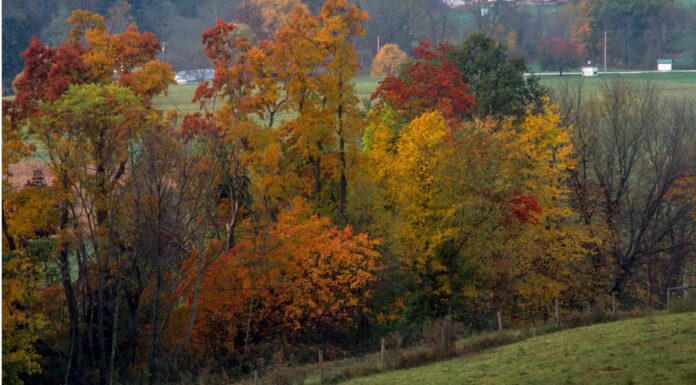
{"points": [[658, 350]]}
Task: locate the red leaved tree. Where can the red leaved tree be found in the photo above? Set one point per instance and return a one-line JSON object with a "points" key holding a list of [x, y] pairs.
{"points": [[430, 83]]}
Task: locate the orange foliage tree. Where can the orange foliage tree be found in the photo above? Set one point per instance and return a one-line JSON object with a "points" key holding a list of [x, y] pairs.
{"points": [[298, 277], [388, 61]]}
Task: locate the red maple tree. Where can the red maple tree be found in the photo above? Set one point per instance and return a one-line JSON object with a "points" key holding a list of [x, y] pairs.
{"points": [[430, 82]]}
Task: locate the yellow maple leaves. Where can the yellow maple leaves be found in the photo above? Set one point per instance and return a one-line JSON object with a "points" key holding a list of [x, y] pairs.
{"points": [[479, 198]]}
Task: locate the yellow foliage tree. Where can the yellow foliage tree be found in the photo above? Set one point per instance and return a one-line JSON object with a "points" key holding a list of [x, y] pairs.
{"points": [[21, 321], [542, 257], [480, 203], [388, 61]]}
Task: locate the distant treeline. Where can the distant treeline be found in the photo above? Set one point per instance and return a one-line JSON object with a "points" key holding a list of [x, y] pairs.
{"points": [[555, 36]]}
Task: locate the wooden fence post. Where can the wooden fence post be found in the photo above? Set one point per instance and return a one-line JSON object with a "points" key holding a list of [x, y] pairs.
{"points": [[613, 302], [668, 294], [321, 367], [381, 354], [500, 321], [558, 314], [256, 377]]}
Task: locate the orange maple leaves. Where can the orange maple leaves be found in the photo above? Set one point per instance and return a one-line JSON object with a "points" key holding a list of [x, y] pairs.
{"points": [[290, 277]]}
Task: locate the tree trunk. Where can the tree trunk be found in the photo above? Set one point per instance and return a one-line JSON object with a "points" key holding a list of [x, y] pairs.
{"points": [[342, 157], [64, 264], [155, 325], [132, 301], [194, 306], [114, 335], [316, 172], [158, 293], [6, 234]]}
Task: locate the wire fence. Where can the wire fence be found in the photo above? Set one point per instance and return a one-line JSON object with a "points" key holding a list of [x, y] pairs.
{"points": [[390, 355]]}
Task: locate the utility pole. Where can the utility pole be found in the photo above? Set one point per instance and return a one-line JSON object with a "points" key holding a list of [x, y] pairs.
{"points": [[605, 52]]}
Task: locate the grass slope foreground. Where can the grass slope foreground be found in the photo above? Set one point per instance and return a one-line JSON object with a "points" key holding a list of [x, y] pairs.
{"points": [[658, 350]]}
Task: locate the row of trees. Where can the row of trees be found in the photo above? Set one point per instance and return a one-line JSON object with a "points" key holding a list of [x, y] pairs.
{"points": [[284, 215], [554, 36]]}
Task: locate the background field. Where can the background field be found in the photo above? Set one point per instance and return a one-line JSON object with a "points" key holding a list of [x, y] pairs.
{"points": [[673, 84], [179, 96], [650, 350]]}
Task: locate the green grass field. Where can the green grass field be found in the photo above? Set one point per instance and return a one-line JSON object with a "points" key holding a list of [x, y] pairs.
{"points": [[179, 96], [672, 84], [658, 350]]}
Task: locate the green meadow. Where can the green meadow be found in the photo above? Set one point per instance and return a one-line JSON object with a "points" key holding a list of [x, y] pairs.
{"points": [[675, 84], [659, 350]]}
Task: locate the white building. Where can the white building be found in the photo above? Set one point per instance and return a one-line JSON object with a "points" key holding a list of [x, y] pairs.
{"points": [[589, 71], [194, 76], [664, 65]]}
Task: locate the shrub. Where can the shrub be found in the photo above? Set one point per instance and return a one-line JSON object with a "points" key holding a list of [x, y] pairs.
{"points": [[394, 350], [441, 335]]}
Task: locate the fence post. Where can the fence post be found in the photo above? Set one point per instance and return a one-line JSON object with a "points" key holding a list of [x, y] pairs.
{"points": [[668, 299], [613, 302], [558, 314], [321, 367], [500, 321], [256, 377], [381, 354]]}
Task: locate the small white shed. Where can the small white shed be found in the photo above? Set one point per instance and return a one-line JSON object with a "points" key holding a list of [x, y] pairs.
{"points": [[589, 71], [664, 65]]}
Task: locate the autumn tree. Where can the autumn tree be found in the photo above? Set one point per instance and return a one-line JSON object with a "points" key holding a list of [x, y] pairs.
{"points": [[171, 194], [265, 18], [543, 245], [318, 86], [296, 277], [119, 17], [22, 322], [431, 82], [91, 128], [559, 54], [340, 23], [388, 61], [309, 135], [86, 125], [441, 217], [130, 55], [468, 198], [225, 130], [632, 152]]}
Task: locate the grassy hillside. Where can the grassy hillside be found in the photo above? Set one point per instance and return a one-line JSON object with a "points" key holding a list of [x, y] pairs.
{"points": [[652, 350], [673, 84]]}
